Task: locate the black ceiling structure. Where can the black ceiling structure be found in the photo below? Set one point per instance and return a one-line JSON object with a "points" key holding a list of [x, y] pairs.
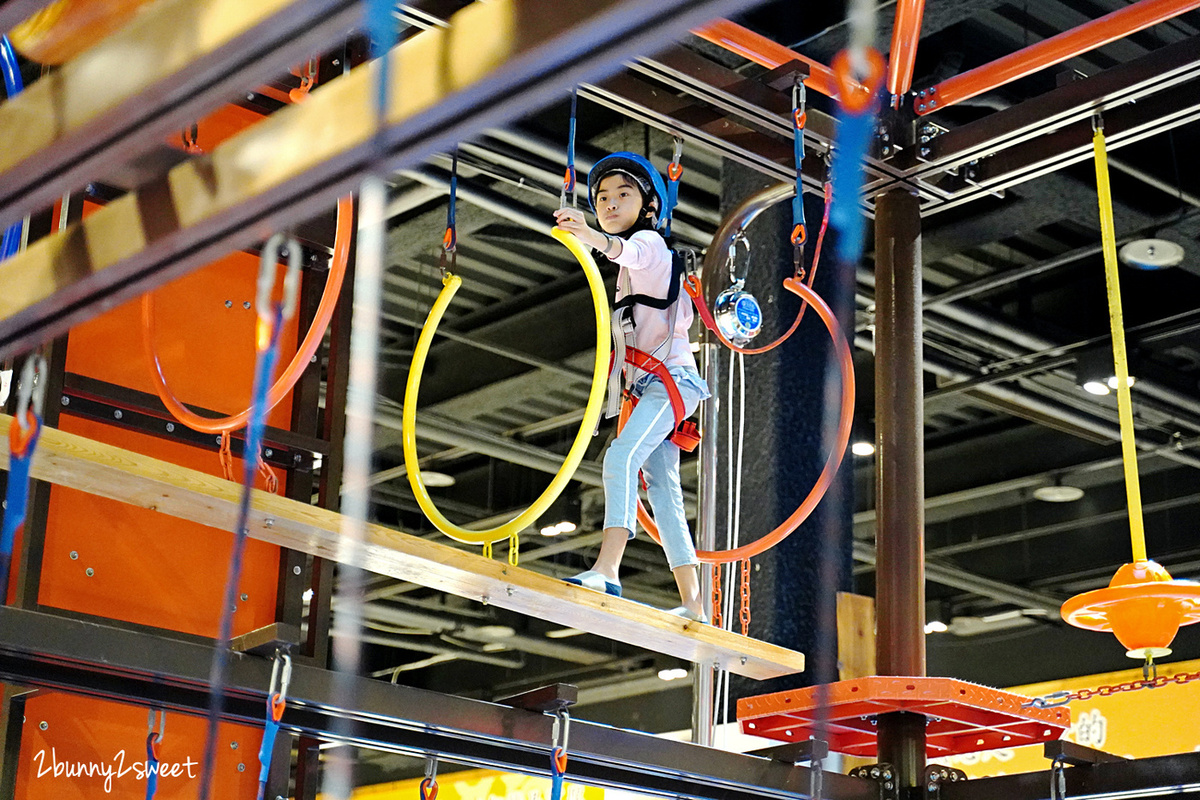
{"points": [[1014, 295], [1014, 308]]}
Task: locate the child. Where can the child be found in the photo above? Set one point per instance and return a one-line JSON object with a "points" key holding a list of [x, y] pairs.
{"points": [[627, 193]]}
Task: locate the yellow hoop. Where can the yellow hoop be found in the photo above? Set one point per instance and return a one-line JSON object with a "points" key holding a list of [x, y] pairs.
{"points": [[591, 414]]}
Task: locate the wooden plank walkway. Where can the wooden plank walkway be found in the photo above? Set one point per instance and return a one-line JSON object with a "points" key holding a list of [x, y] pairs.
{"points": [[86, 465]]}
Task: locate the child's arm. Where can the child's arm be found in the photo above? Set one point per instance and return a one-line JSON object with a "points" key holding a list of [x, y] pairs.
{"points": [[572, 220]]}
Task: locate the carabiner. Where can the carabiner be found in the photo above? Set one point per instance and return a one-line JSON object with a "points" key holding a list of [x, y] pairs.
{"points": [[266, 276], [32, 389], [560, 734], [280, 678], [739, 237]]}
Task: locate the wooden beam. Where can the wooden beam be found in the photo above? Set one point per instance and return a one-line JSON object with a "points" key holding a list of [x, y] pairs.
{"points": [[495, 62], [172, 64], [78, 463]]}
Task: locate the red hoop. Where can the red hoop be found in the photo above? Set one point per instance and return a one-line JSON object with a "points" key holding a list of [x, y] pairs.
{"points": [[845, 421]]}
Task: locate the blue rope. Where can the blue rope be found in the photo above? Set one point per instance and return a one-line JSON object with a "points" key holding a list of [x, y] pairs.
{"points": [[270, 729], [264, 369], [845, 216], [556, 774], [569, 180], [16, 500], [13, 86], [151, 766], [799, 228], [451, 239]]}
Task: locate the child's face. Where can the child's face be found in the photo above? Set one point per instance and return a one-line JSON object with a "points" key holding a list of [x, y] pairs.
{"points": [[618, 202]]}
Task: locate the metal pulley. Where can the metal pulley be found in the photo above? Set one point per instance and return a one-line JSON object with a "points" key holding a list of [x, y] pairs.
{"points": [[737, 312]]}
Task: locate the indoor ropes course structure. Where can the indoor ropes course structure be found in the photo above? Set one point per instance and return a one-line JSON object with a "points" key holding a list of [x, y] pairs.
{"points": [[195, 209]]}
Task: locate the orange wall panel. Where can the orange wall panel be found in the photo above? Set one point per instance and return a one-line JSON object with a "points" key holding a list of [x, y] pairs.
{"points": [[106, 742], [204, 335], [149, 568]]}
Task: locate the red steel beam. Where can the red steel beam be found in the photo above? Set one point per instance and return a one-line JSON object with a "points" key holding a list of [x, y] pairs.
{"points": [[905, 35], [771, 54], [1048, 52]]}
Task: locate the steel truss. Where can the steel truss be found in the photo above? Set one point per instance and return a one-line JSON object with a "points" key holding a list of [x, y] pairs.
{"points": [[54, 652]]}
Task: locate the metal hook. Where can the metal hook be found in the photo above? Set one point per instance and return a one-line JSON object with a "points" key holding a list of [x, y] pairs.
{"points": [[739, 237], [431, 766], [162, 724], [280, 682], [32, 389], [1058, 779], [266, 275], [561, 732]]}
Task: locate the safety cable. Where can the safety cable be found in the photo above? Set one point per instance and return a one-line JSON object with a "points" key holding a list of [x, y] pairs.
{"points": [[799, 232], [271, 316], [281, 678], [357, 448], [23, 434]]}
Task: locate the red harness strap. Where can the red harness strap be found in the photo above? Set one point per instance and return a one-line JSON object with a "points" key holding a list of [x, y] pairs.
{"points": [[686, 435]]}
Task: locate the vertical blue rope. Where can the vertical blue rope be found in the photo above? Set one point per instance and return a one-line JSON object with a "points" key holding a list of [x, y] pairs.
{"points": [[799, 229], [264, 369], [845, 216], [16, 499], [13, 86]]}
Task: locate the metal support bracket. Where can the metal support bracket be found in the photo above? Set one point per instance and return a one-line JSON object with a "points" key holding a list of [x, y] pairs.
{"points": [[265, 641], [804, 752], [1077, 755], [883, 774], [547, 699], [935, 775], [784, 77]]}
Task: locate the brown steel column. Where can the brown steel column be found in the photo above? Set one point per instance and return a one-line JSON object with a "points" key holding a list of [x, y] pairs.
{"points": [[899, 458]]}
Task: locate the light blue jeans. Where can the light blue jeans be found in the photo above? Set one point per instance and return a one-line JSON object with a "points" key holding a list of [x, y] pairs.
{"points": [[643, 446]]}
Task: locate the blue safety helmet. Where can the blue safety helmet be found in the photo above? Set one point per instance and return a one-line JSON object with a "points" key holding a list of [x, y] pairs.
{"points": [[643, 173]]}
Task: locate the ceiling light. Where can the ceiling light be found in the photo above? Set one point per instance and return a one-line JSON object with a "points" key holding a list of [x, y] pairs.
{"points": [[1151, 254], [936, 626], [1112, 381], [1058, 493], [436, 480], [307, 596], [550, 530], [566, 526], [672, 674], [1096, 387], [862, 448]]}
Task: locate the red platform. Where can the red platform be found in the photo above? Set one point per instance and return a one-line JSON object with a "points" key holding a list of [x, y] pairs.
{"points": [[962, 717]]}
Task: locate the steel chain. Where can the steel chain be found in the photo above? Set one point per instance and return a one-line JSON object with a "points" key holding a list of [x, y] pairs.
{"points": [[1062, 698]]}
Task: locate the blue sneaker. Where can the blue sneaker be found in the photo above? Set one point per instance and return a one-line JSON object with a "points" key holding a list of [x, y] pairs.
{"points": [[596, 581]]}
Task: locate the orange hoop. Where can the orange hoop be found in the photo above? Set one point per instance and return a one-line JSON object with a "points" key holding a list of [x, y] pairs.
{"points": [[316, 332], [855, 96], [845, 422]]}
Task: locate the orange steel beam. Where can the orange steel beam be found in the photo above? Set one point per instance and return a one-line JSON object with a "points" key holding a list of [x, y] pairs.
{"points": [[905, 35], [771, 54], [1048, 52]]}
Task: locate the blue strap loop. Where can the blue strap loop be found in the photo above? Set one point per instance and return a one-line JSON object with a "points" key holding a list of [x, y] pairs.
{"points": [[153, 740], [569, 178], [23, 434], [276, 703], [799, 117]]}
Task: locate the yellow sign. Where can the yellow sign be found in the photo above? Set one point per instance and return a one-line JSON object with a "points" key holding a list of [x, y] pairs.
{"points": [[479, 784], [1134, 724]]}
